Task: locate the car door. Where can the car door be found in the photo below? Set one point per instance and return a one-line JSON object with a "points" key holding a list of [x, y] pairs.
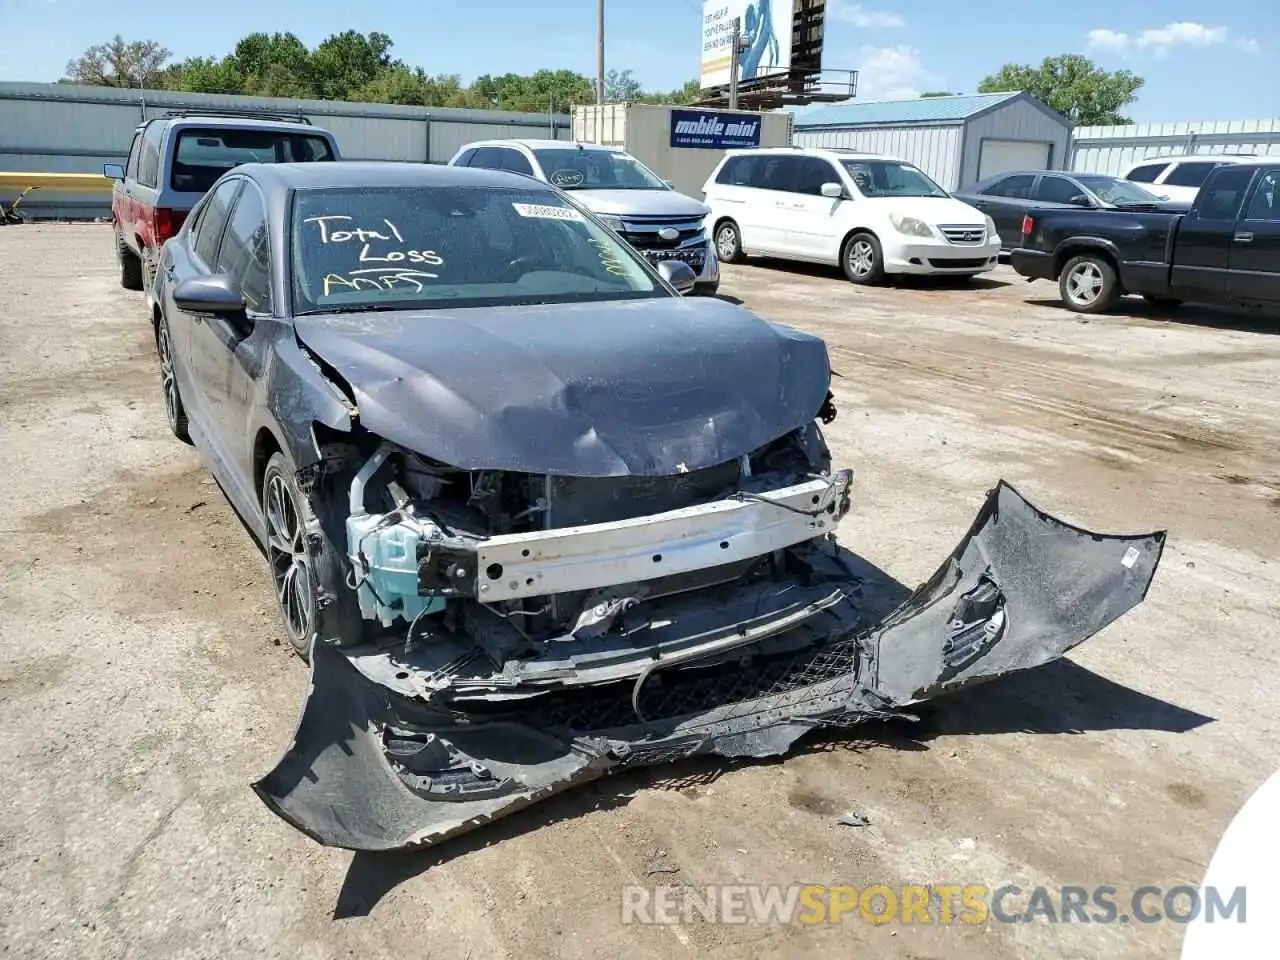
{"points": [[769, 207], [1255, 244], [812, 230], [1006, 202], [222, 343], [1202, 250], [121, 202], [195, 335]]}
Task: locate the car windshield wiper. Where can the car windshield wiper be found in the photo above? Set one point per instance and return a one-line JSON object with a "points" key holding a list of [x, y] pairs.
{"points": [[360, 308]]}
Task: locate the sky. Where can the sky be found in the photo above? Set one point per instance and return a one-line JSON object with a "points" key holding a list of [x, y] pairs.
{"points": [[1200, 60]]}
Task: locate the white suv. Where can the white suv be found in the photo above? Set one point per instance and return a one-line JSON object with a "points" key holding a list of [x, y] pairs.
{"points": [[1178, 178], [870, 214]]}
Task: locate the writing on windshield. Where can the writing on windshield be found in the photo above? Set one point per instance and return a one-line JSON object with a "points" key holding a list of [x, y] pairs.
{"points": [[382, 255]]}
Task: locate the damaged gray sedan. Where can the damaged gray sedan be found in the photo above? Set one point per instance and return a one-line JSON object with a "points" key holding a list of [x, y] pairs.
{"points": [[534, 517]]}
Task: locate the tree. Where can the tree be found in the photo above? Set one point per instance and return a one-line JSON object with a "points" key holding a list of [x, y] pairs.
{"points": [[349, 60], [117, 63], [620, 87], [691, 92], [937, 93], [1073, 85]]}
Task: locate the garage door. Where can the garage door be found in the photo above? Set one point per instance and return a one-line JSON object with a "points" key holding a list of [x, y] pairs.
{"points": [[1001, 155]]}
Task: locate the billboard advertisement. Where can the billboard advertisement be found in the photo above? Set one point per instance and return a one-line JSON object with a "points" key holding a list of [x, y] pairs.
{"points": [[766, 35]]}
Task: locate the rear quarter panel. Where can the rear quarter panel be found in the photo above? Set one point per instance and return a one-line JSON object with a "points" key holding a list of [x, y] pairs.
{"points": [[1139, 243]]}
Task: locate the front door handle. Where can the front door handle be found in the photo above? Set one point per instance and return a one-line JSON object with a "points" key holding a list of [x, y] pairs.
{"points": [[1243, 238]]}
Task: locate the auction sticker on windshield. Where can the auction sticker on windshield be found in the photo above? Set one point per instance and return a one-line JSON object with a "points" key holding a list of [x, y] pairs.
{"points": [[543, 212]]}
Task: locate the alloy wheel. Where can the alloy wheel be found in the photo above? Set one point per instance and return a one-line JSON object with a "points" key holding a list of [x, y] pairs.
{"points": [[290, 564], [726, 243], [1084, 283], [862, 258], [172, 402]]}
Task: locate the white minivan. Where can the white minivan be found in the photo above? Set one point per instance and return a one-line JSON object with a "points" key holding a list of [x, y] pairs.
{"points": [[872, 215]]}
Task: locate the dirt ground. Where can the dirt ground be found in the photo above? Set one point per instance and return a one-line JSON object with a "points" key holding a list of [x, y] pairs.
{"points": [[143, 683]]}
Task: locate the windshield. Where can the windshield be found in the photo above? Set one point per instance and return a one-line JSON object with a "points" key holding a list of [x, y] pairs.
{"points": [[574, 169], [1111, 190], [891, 178], [388, 248]]}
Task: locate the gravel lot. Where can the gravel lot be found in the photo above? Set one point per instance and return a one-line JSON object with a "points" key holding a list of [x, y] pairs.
{"points": [[143, 683]]}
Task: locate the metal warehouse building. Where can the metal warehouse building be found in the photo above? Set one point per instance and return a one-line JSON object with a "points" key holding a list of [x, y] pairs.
{"points": [[956, 140], [1111, 149]]}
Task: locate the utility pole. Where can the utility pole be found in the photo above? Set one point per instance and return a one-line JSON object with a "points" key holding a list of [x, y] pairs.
{"points": [[735, 60], [599, 51]]}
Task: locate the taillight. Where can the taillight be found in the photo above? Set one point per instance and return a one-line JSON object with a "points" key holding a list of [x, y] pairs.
{"points": [[1027, 224], [165, 223]]}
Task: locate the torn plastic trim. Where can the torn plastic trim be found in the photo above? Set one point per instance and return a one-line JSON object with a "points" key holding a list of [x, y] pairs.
{"points": [[370, 770]]}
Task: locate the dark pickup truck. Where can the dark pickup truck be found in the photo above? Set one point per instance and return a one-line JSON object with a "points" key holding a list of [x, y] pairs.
{"points": [[1225, 249]]}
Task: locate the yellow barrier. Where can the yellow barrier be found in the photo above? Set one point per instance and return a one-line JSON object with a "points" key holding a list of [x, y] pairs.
{"points": [[24, 181]]}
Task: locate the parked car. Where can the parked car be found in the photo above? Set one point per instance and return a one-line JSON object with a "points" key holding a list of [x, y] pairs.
{"points": [[535, 517], [871, 215], [635, 202], [1179, 177], [1225, 249], [1006, 197], [174, 159]]}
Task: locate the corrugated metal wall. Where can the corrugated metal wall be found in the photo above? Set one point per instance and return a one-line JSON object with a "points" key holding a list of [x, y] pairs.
{"points": [[1111, 149], [74, 129], [934, 148], [1017, 120]]}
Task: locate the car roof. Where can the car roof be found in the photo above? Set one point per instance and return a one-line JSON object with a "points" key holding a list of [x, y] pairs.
{"points": [[1205, 157], [544, 144], [837, 152], [379, 173], [237, 123]]}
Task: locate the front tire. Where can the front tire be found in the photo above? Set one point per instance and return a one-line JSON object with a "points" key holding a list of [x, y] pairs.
{"points": [[862, 259], [308, 570], [174, 410], [729, 243], [130, 265], [1088, 284]]}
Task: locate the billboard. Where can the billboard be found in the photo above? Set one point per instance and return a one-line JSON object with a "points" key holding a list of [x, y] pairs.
{"points": [[766, 33], [709, 130]]}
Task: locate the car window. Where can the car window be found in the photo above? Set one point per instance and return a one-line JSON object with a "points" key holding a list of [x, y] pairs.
{"points": [[464, 158], [244, 254], [213, 217], [741, 171], [1221, 197], [202, 156], [1119, 192], [149, 158], [515, 161], [1146, 173], [571, 168], [460, 246], [488, 157], [1188, 174], [131, 165], [814, 172], [1017, 187], [891, 178], [780, 173], [1056, 190], [1265, 204]]}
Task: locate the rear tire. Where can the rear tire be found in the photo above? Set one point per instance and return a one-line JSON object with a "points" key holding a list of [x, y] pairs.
{"points": [[1088, 284], [308, 569], [862, 260], [729, 242], [130, 265], [174, 410]]}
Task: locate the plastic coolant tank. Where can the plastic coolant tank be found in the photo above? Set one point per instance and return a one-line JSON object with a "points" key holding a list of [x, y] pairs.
{"points": [[388, 570]]}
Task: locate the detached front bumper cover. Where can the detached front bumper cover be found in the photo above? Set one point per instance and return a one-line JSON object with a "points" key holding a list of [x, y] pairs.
{"points": [[372, 770]]}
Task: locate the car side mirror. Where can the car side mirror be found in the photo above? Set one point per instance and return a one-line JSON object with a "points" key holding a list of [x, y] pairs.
{"points": [[679, 274], [1080, 200], [213, 294], [113, 171], [832, 190]]}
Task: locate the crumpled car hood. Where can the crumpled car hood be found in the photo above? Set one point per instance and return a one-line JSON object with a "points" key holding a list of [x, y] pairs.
{"points": [[641, 387]]}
